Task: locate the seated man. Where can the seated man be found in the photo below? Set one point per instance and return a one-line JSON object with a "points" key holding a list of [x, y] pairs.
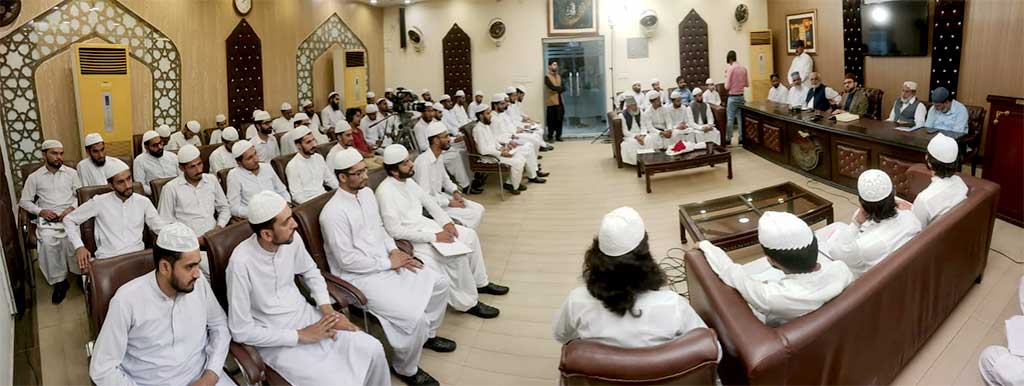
{"points": [[120, 218], [999, 366], [221, 157], [264, 142], [907, 110], [797, 91], [478, 100], [189, 136], [711, 95], [319, 131], [408, 299], [854, 101], [634, 134], [507, 154], [700, 122], [430, 175], [635, 92], [778, 93], [879, 226], [454, 161], [307, 171], [353, 116], [676, 117], [250, 178], [289, 137], [793, 279], [93, 170], [508, 131], [946, 189], [154, 163], [195, 199], [166, 326], [306, 345], [656, 117], [165, 134], [685, 95], [283, 124], [624, 301], [819, 96], [375, 130], [946, 113], [402, 202], [221, 123], [49, 194]]}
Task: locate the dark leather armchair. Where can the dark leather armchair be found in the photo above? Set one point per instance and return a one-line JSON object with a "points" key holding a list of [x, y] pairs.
{"points": [[615, 129], [278, 164], [688, 360], [719, 113], [222, 177], [487, 164], [204, 154], [874, 96], [88, 228], [157, 187], [971, 142], [326, 149]]}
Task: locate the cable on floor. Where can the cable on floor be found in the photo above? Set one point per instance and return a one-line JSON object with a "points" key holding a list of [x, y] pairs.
{"points": [[1012, 260], [811, 184], [675, 270]]}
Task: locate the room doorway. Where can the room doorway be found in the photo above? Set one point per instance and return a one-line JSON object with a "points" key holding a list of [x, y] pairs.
{"points": [[581, 64]]}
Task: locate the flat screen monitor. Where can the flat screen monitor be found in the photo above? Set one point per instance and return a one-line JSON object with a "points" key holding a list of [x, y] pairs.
{"points": [[895, 27]]}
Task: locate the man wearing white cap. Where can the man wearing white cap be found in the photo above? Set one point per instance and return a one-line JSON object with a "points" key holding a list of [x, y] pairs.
{"points": [[700, 121], [478, 100], [251, 177], [513, 129], [253, 128], [154, 163], [402, 202], [632, 312], [676, 117], [420, 129], [343, 136], [195, 199], [431, 176], [284, 122], [221, 123], [998, 365], [425, 95], [265, 142], [314, 122], [332, 113], [221, 157], [946, 189], [508, 154], [637, 94], [656, 117], [288, 139], [307, 345], [450, 116], [711, 94], [798, 91], [793, 279], [307, 171], [802, 63], [459, 101], [907, 110], [636, 135], [49, 194], [120, 218], [513, 112], [375, 128], [189, 136], [656, 86], [881, 225], [408, 299], [92, 170], [166, 326], [165, 133]]}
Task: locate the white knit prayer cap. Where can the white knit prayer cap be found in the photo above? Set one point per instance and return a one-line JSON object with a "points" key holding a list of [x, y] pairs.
{"points": [[655, 81], [341, 127], [783, 231], [510, 90], [709, 81], [51, 144], [697, 91], [460, 93], [264, 206], [424, 91], [187, 153], [299, 117], [346, 158], [395, 154], [164, 131], [478, 93], [177, 237], [260, 116], [229, 134], [306, 102], [220, 118], [193, 126], [371, 108], [873, 185], [389, 89], [286, 106], [299, 132], [331, 94], [481, 107], [444, 98], [435, 128], [621, 231], [498, 97], [676, 94], [911, 85], [652, 95], [92, 139], [637, 83], [370, 94], [438, 106], [114, 167], [240, 147], [943, 148], [149, 135]]}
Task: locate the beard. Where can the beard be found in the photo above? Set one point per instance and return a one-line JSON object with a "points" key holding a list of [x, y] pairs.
{"points": [[404, 175], [284, 242], [266, 131], [157, 154], [126, 194], [102, 161], [446, 146], [55, 164], [486, 121], [334, 105], [183, 288]]}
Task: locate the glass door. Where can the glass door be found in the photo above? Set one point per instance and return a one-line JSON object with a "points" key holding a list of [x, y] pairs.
{"points": [[581, 64]]}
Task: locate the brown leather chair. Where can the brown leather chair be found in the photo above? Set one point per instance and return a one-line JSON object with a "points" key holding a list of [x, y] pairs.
{"points": [[157, 187], [136, 145], [222, 177], [28, 228], [278, 137], [872, 330], [325, 149], [719, 113], [688, 360], [206, 134], [615, 129], [278, 164], [204, 154], [487, 164], [874, 96], [88, 228], [971, 142]]}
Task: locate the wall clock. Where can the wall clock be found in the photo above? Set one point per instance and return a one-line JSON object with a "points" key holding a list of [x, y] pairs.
{"points": [[242, 7]]}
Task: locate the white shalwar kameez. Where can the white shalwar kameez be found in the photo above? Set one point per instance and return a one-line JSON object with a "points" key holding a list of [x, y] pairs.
{"points": [[864, 246], [119, 224], [220, 159], [307, 177], [432, 178], [802, 64], [487, 144], [776, 302], [177, 141], [639, 97], [509, 125], [938, 198], [454, 160], [778, 94], [505, 133], [266, 310], [267, 150], [998, 366], [243, 184], [797, 96], [148, 338], [695, 126], [202, 207], [330, 118], [147, 168], [410, 305], [55, 192], [631, 130], [401, 208], [92, 175]]}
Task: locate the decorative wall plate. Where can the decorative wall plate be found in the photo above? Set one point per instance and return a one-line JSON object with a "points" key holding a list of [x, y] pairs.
{"points": [[242, 7]]}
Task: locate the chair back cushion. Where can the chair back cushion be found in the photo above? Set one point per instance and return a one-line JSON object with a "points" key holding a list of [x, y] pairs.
{"points": [[157, 187], [219, 245], [975, 125], [222, 177], [107, 275], [278, 164], [688, 360], [307, 216], [204, 154], [30, 167], [326, 149], [874, 96]]}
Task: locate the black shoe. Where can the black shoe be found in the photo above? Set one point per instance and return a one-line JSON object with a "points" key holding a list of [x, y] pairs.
{"points": [[440, 344], [537, 180], [483, 311], [547, 148], [559, 140], [492, 289], [420, 378], [60, 290], [475, 190], [542, 174], [510, 189], [540, 157], [522, 187]]}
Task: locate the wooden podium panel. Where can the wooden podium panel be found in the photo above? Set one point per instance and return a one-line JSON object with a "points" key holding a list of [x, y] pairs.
{"points": [[1004, 155]]}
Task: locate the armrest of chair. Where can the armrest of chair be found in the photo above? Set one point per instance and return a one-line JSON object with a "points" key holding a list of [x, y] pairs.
{"points": [[694, 354], [250, 362], [344, 292], [484, 157], [27, 227], [918, 178]]}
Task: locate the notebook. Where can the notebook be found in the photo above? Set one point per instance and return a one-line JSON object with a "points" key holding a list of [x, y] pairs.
{"points": [[451, 249]]}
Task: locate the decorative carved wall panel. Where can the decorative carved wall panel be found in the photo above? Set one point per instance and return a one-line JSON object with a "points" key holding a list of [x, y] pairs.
{"points": [[693, 49], [896, 169], [772, 138], [458, 63], [853, 45], [852, 160], [751, 131], [947, 36], [245, 74], [332, 31]]}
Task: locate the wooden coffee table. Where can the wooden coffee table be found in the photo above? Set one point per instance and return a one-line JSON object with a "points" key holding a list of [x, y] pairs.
{"points": [[658, 162], [731, 222]]}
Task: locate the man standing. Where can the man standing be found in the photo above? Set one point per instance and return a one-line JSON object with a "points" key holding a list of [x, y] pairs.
{"points": [[332, 114], [306, 345], [553, 102], [408, 299], [195, 199], [735, 82], [430, 175], [778, 93], [252, 177], [92, 170], [154, 163], [797, 91], [189, 136], [854, 100], [487, 144], [802, 62], [265, 142], [907, 110], [49, 194], [307, 171], [946, 113], [221, 158], [284, 122], [402, 203], [711, 94], [166, 326], [684, 90]]}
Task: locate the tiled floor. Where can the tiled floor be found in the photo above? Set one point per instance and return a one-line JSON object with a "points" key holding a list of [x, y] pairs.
{"points": [[534, 243]]}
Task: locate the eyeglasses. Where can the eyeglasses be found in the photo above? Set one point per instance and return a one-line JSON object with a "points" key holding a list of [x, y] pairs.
{"points": [[360, 172]]}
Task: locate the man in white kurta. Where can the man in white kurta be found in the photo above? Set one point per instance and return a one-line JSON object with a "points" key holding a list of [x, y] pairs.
{"points": [[527, 144], [333, 113], [402, 202], [166, 326], [797, 91], [711, 95], [189, 136], [430, 175], [802, 62], [946, 189], [306, 345], [265, 142], [454, 161], [778, 93], [636, 93], [1000, 367], [250, 178], [374, 130], [154, 162], [635, 136], [221, 157], [283, 124], [907, 110], [314, 122], [487, 144], [478, 100], [454, 116], [49, 194], [408, 298], [288, 144], [656, 117], [92, 170], [307, 171], [802, 282], [700, 122], [221, 123], [864, 242]]}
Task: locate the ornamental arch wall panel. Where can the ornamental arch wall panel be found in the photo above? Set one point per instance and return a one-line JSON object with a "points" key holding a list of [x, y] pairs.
{"points": [[458, 62], [330, 32], [245, 73]]}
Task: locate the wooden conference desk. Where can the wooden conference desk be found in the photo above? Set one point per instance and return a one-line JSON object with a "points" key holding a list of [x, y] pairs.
{"points": [[832, 151]]}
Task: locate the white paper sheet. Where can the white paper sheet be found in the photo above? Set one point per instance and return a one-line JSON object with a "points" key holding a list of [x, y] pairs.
{"points": [[451, 249], [1015, 335]]}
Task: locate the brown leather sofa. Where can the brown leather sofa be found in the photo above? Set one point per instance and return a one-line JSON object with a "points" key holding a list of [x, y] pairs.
{"points": [[688, 360], [615, 130], [867, 334]]}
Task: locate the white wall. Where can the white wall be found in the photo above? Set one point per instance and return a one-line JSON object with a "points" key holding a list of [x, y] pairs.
{"points": [[520, 58]]}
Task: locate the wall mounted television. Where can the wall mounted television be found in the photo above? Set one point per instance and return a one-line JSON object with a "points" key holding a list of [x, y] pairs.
{"points": [[895, 27]]}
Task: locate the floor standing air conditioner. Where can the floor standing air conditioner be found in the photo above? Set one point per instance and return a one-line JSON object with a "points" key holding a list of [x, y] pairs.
{"points": [[761, 66], [103, 95], [355, 78]]}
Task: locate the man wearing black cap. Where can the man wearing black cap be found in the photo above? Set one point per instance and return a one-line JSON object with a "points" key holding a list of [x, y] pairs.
{"points": [[946, 113]]}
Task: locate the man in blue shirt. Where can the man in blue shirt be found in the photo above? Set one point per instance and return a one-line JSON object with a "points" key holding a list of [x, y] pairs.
{"points": [[684, 91], [946, 113]]}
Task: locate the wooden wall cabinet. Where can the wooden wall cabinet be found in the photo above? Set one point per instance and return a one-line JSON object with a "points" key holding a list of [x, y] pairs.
{"points": [[1004, 155]]}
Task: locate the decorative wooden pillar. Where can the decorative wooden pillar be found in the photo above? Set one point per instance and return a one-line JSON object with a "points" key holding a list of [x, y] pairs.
{"points": [[245, 74], [458, 62], [853, 44], [947, 37], [693, 50]]}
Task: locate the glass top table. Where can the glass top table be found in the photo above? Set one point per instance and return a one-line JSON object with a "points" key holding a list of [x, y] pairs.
{"points": [[731, 222]]}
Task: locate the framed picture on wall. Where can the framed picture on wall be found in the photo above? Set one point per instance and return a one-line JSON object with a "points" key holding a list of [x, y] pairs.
{"points": [[802, 26], [572, 17]]}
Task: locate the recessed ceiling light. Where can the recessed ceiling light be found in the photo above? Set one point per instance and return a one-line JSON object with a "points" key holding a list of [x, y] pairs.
{"points": [[408, 1]]}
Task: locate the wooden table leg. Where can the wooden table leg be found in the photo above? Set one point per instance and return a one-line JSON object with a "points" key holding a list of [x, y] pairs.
{"points": [[682, 232], [647, 173], [730, 168], [639, 168]]}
